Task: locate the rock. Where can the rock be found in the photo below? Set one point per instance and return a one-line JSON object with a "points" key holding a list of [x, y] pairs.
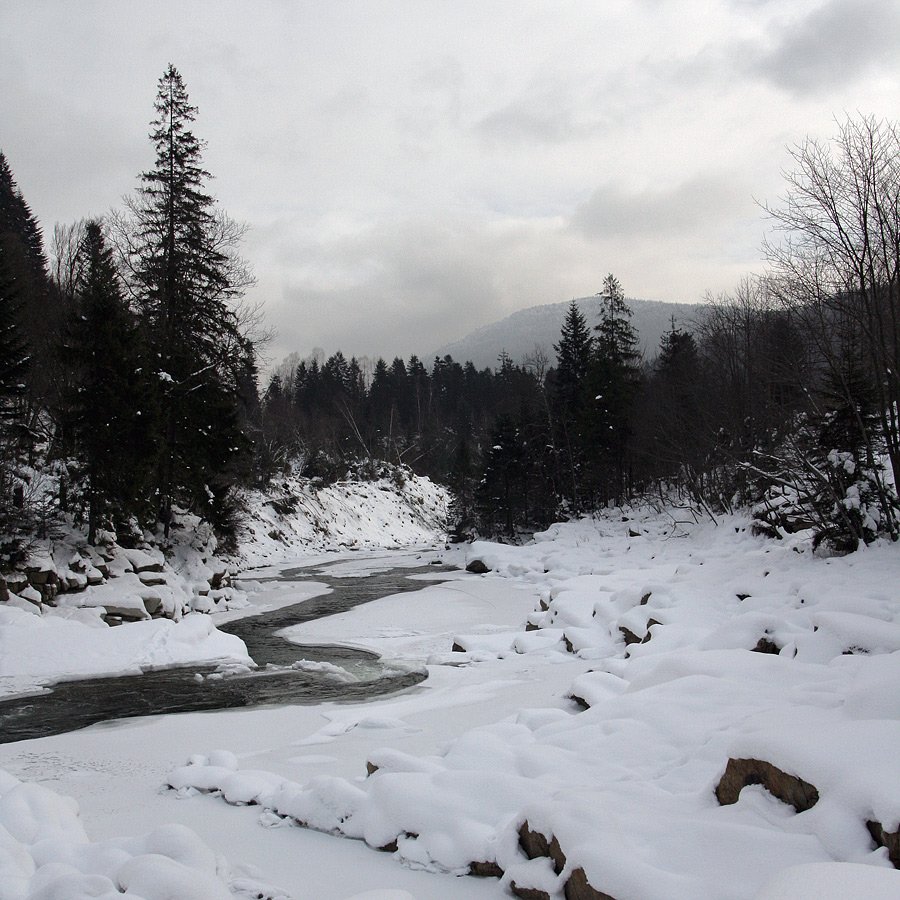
{"points": [[646, 598], [764, 645], [485, 870], [39, 577], [15, 581], [220, 579], [152, 578], [649, 634], [74, 582], [142, 562], [458, 648], [94, 577], [887, 839], [477, 567], [527, 893], [579, 888], [129, 613], [4, 590], [371, 768], [788, 788], [152, 604], [629, 635], [535, 844], [31, 594]]}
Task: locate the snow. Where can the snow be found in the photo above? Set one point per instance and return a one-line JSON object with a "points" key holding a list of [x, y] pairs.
{"points": [[831, 881], [63, 644], [494, 739], [295, 515]]}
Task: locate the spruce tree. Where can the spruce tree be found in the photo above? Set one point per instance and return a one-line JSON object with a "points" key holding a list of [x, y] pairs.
{"points": [[26, 264], [14, 363], [573, 360], [573, 357], [676, 441], [186, 283], [109, 418], [612, 387], [14, 357]]}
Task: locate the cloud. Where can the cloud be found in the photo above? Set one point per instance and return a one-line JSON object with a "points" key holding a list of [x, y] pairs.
{"points": [[544, 114], [612, 211], [832, 46], [410, 286]]}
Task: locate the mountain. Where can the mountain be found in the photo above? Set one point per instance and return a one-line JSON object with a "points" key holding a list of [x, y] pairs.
{"points": [[540, 325]]}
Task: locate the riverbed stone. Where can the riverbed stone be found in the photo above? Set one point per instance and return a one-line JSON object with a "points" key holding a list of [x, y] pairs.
{"points": [[890, 840], [786, 787], [579, 888]]}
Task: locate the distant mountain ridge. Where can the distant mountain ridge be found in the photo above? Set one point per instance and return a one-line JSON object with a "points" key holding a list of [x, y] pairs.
{"points": [[518, 333]]}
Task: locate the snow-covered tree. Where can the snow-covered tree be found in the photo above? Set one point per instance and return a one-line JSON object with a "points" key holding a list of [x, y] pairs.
{"points": [[187, 278]]}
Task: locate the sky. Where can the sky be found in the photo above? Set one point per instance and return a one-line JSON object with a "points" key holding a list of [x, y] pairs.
{"points": [[409, 171]]}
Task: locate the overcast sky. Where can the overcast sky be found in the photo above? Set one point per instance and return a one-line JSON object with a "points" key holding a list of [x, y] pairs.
{"points": [[412, 170]]}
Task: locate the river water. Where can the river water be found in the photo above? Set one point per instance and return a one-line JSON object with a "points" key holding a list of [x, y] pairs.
{"points": [[71, 705]]}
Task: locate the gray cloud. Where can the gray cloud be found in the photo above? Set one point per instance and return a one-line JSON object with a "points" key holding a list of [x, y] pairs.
{"points": [[411, 171], [544, 113], [393, 290], [831, 46], [612, 211]]}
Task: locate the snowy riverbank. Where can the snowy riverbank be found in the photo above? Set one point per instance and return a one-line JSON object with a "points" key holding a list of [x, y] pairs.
{"points": [[68, 634], [558, 711]]}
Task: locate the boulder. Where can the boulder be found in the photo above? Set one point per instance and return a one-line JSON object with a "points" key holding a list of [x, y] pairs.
{"points": [[890, 840], [788, 788], [152, 578], [579, 888], [15, 581], [764, 645], [535, 844], [38, 577], [31, 594], [486, 869], [527, 893], [143, 562], [477, 567]]}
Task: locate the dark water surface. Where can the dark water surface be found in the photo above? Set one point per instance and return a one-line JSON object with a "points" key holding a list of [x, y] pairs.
{"points": [[76, 704]]}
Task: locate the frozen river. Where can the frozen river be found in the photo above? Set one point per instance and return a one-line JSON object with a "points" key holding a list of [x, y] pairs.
{"points": [[71, 705]]}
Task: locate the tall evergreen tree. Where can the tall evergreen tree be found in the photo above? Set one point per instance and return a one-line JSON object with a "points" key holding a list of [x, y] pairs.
{"points": [[573, 357], [186, 281], [612, 386], [26, 264], [109, 417], [573, 361], [676, 434], [14, 363], [13, 353]]}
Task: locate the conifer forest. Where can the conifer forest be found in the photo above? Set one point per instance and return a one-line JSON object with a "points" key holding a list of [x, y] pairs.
{"points": [[129, 370]]}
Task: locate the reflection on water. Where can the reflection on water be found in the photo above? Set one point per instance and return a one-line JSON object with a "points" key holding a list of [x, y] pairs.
{"points": [[76, 704]]}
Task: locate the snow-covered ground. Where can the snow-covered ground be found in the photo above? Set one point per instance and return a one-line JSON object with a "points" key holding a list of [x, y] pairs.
{"points": [[604, 676]]}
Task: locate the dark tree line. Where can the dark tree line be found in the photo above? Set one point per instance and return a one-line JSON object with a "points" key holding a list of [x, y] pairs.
{"points": [[127, 373], [782, 396]]}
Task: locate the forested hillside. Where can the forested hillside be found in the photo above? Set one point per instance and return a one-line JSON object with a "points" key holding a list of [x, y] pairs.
{"points": [[781, 395], [128, 375]]}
